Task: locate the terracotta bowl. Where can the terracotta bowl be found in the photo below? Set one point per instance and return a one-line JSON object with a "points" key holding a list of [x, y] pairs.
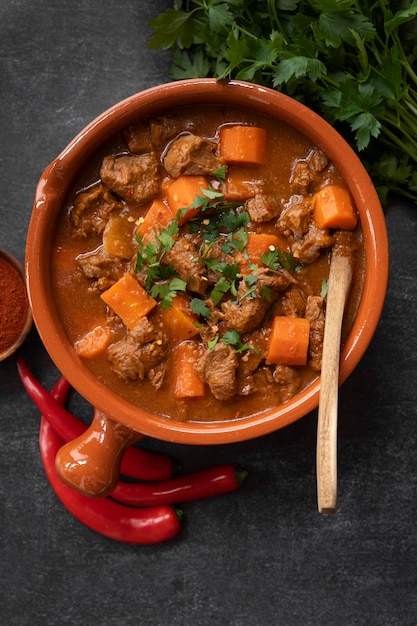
{"points": [[50, 195]]}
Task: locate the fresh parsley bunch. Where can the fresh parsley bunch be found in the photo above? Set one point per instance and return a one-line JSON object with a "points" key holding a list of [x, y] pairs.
{"points": [[352, 61]]}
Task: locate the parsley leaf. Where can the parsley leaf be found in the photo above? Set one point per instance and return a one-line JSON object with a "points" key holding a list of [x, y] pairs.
{"points": [[199, 307]]}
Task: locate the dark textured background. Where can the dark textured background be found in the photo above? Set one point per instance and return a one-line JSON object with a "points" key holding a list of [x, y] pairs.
{"points": [[263, 555]]}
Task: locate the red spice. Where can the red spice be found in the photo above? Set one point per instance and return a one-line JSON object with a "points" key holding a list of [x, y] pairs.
{"points": [[13, 304]]}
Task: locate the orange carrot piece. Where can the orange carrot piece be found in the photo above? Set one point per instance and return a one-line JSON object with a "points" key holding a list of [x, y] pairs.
{"points": [[258, 243], [333, 208], [243, 144], [239, 185], [187, 382], [181, 194], [128, 300], [179, 322], [158, 213], [289, 340], [118, 239], [94, 342]]}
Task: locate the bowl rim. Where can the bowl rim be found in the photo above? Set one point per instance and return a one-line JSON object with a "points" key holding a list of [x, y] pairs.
{"points": [[186, 92]]}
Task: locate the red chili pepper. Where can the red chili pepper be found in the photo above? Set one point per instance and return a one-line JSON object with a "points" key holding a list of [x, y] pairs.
{"points": [[192, 486], [136, 463], [109, 518]]}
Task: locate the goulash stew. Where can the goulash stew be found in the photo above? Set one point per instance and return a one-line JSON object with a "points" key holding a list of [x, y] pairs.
{"points": [[190, 267]]}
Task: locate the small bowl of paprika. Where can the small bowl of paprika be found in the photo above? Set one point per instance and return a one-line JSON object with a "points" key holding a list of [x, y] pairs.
{"points": [[15, 312]]}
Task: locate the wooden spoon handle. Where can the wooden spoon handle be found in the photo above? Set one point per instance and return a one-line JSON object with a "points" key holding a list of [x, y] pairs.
{"points": [[338, 287]]}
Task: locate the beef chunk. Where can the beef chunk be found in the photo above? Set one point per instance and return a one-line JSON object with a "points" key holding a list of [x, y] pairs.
{"points": [[292, 303], [296, 223], [308, 248], [165, 128], [307, 173], [103, 268], [217, 368], [250, 362], [278, 280], [138, 137], [246, 313], [262, 208], [133, 177], [315, 315], [289, 380], [140, 353], [185, 259], [92, 209], [317, 161], [295, 220], [191, 154]]}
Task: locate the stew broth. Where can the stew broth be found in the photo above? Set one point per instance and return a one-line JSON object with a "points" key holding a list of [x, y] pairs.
{"points": [[293, 173]]}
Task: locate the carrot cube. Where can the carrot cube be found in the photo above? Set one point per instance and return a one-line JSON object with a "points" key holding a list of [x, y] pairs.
{"points": [[129, 300], [239, 185], [258, 243], [243, 144], [178, 321], [333, 208], [158, 213], [187, 382], [182, 193], [94, 342], [289, 341]]}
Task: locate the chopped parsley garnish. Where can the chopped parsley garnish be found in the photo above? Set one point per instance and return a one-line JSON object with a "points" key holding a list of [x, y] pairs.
{"points": [[199, 307], [224, 232], [233, 338], [275, 259], [167, 291]]}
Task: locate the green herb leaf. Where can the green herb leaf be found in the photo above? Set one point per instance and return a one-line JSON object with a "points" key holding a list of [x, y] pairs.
{"points": [[221, 287], [199, 307]]}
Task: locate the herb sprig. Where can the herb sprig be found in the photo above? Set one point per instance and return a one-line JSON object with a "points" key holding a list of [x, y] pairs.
{"points": [[352, 62]]}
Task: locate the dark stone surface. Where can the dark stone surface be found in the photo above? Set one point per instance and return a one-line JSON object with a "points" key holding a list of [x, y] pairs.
{"points": [[261, 556]]}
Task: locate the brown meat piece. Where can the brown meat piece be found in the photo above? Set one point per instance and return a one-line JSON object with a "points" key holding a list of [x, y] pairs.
{"points": [[92, 209], [295, 219], [139, 353], [289, 380], [307, 173], [315, 315], [103, 268], [246, 313], [292, 303], [133, 177], [262, 208], [277, 280], [217, 368], [308, 248], [250, 362], [191, 155], [185, 259], [138, 137], [318, 161], [296, 223], [165, 128]]}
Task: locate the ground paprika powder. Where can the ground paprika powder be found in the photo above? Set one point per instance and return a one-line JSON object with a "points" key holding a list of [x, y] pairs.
{"points": [[14, 304]]}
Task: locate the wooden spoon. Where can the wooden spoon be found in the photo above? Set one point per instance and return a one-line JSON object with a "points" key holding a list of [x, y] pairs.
{"points": [[326, 456]]}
